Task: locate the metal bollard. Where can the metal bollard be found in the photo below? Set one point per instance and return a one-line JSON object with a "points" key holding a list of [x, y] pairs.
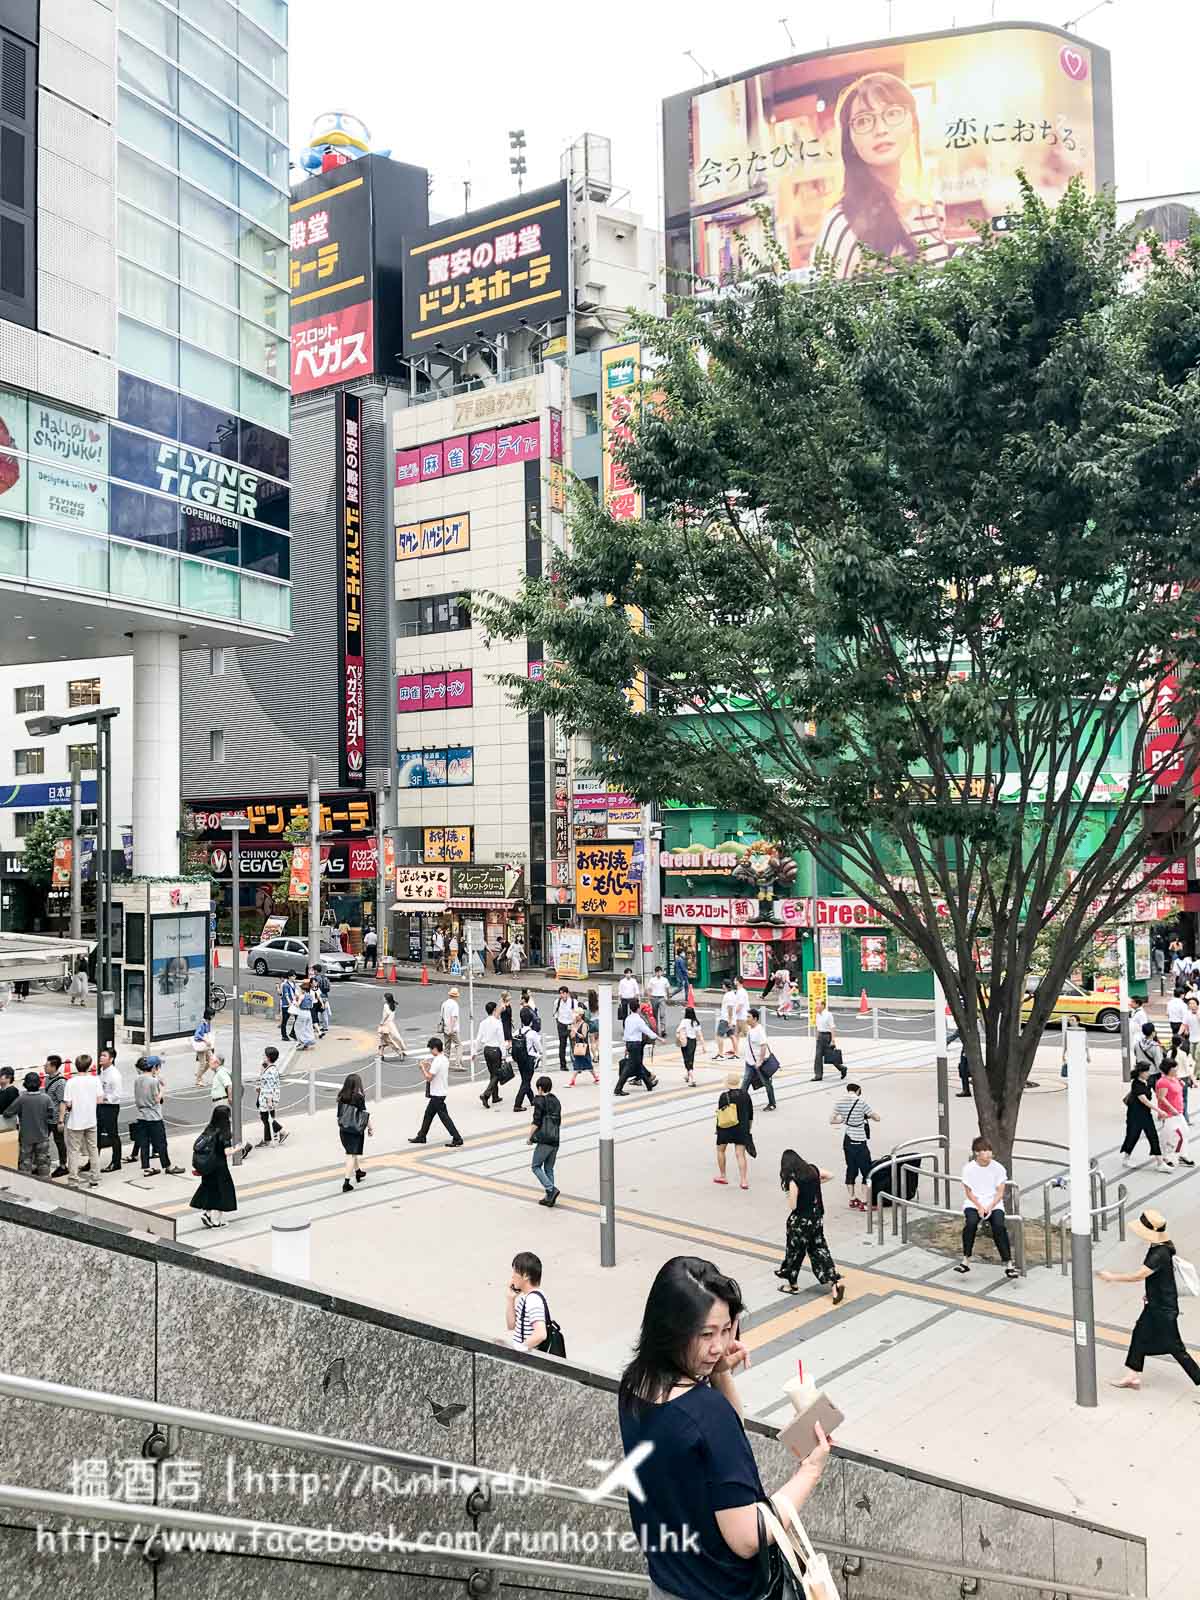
{"points": [[874, 1022], [291, 1248], [1047, 1225], [312, 1094], [1063, 1231], [378, 1078]]}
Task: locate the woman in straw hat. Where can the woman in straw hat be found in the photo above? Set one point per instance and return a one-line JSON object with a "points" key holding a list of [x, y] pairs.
{"points": [[735, 1113], [1156, 1331]]}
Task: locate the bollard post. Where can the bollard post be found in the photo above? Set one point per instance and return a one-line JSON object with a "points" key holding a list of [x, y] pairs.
{"points": [[1083, 1313], [312, 1094], [607, 1153], [379, 1078], [1047, 1225], [875, 1022], [291, 1248]]}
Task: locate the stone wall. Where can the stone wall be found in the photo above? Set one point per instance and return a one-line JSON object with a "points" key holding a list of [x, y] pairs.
{"points": [[95, 1308]]}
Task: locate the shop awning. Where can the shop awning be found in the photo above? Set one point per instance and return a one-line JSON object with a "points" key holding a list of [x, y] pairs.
{"points": [[714, 930], [31, 955]]}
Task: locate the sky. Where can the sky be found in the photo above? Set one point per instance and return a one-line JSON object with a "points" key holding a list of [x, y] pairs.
{"points": [[441, 87]]}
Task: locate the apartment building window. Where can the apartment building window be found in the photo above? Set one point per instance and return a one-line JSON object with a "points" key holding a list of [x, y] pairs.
{"points": [[23, 821], [82, 756], [32, 698], [216, 745], [433, 613], [83, 692], [27, 763], [87, 819], [18, 187]]}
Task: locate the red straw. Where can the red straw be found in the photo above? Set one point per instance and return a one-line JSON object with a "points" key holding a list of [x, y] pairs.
{"points": [[800, 1370]]}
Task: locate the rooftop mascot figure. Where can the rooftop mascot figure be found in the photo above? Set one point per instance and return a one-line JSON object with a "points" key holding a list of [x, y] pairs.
{"points": [[337, 137]]}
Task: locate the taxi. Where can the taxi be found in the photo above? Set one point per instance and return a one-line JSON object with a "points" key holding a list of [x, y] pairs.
{"points": [[1099, 1008]]}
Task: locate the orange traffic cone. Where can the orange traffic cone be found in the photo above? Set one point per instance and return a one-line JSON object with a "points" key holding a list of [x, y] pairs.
{"points": [[216, 959], [392, 969], [691, 996], [241, 941], [379, 972], [864, 1005], [425, 975]]}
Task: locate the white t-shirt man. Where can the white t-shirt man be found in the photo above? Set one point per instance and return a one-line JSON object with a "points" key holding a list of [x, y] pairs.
{"points": [[450, 1017], [439, 1075], [825, 1021], [564, 1012], [529, 1309], [757, 1048], [1137, 1019], [741, 1005], [628, 989], [986, 1184], [636, 1027], [81, 1097], [1176, 1009], [728, 1003], [658, 987]]}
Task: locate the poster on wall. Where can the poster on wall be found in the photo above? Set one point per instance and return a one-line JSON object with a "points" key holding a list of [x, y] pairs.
{"points": [[1141, 952], [873, 953], [67, 482], [178, 975], [352, 743], [782, 156], [831, 956], [752, 961], [570, 954], [14, 433]]}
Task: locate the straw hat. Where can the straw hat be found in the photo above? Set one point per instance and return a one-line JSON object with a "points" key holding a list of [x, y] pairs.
{"points": [[733, 1080], [1151, 1226], [452, 995]]}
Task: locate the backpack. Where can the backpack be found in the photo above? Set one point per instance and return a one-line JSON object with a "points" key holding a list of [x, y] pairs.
{"points": [[206, 1154], [1187, 1279], [555, 1344], [549, 1129], [351, 1117], [323, 984]]}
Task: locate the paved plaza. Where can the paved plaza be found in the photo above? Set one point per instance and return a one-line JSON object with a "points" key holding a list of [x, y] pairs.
{"points": [[962, 1377]]}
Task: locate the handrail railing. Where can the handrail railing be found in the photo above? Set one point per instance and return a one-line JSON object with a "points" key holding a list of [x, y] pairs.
{"points": [[471, 1554], [901, 1206], [1064, 1226]]}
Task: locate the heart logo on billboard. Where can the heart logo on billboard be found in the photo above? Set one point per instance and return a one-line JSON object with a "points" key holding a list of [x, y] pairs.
{"points": [[1072, 63]]}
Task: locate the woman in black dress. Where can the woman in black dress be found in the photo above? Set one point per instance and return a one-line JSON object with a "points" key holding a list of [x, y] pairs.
{"points": [[506, 1020], [216, 1191], [354, 1124], [1139, 1119], [801, 1182], [735, 1131], [1156, 1331]]}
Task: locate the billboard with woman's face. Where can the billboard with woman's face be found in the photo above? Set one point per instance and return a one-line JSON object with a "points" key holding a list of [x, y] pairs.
{"points": [[889, 149]]}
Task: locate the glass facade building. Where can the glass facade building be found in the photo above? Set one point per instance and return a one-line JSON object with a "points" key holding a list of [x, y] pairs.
{"points": [[190, 478]]}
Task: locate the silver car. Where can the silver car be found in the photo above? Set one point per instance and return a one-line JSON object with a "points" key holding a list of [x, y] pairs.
{"points": [[278, 956]]}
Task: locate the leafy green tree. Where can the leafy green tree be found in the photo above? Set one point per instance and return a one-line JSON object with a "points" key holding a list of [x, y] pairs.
{"points": [[921, 548], [40, 843]]}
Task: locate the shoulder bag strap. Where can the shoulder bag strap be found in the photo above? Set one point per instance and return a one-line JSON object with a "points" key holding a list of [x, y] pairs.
{"points": [[782, 1541]]}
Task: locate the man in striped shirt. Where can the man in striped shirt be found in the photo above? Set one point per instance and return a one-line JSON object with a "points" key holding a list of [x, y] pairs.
{"points": [[854, 1113]]}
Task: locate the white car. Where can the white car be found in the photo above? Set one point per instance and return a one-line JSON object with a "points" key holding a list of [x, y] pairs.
{"points": [[278, 956]]}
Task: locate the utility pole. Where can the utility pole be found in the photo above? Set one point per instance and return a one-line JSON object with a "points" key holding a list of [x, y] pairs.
{"points": [[1124, 1003], [1083, 1310], [314, 863], [77, 851], [943, 1075], [608, 1185], [235, 823]]}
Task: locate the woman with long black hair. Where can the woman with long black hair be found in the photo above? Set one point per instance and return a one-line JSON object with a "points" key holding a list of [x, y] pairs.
{"points": [[884, 209], [801, 1182], [354, 1124], [700, 1483], [216, 1191]]}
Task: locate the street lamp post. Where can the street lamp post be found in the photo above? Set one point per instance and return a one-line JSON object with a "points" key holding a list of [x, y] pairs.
{"points": [[102, 716], [235, 824], [1083, 1313]]}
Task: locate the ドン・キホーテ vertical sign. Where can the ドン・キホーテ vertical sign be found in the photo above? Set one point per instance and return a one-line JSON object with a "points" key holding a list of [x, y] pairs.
{"points": [[352, 745]]}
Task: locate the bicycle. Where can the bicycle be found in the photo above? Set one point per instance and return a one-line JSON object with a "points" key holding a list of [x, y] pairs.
{"points": [[216, 998]]}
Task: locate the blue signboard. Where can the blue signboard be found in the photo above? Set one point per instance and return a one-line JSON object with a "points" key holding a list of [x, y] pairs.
{"points": [[35, 796]]}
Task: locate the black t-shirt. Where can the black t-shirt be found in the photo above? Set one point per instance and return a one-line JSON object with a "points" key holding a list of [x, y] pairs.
{"points": [[701, 1464], [810, 1203], [1162, 1294], [8, 1098]]}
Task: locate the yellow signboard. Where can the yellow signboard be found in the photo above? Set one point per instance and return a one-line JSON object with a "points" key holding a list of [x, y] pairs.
{"points": [[441, 536], [591, 942], [447, 844], [818, 994], [602, 886]]}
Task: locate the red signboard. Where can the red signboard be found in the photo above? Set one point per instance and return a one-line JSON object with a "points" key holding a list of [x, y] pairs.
{"points": [[556, 435], [1171, 880], [435, 691], [490, 447], [333, 347], [364, 859]]}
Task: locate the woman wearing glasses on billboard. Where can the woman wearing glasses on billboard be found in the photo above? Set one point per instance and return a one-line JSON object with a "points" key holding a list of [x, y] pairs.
{"points": [[885, 208]]}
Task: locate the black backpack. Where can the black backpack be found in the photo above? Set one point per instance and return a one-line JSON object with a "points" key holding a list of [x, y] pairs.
{"points": [[206, 1154]]}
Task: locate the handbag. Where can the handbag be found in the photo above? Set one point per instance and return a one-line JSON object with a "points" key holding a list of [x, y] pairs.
{"points": [[778, 1576], [727, 1114], [770, 1066], [816, 1580], [1187, 1278], [507, 1072], [833, 1056]]}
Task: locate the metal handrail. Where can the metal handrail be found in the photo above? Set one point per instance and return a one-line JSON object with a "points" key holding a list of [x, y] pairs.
{"points": [[81, 1508], [153, 1411], [1064, 1226]]}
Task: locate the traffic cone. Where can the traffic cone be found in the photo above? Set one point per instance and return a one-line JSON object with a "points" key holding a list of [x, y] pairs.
{"points": [[864, 1005], [691, 995], [216, 959], [425, 976], [242, 942], [379, 972], [392, 970]]}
